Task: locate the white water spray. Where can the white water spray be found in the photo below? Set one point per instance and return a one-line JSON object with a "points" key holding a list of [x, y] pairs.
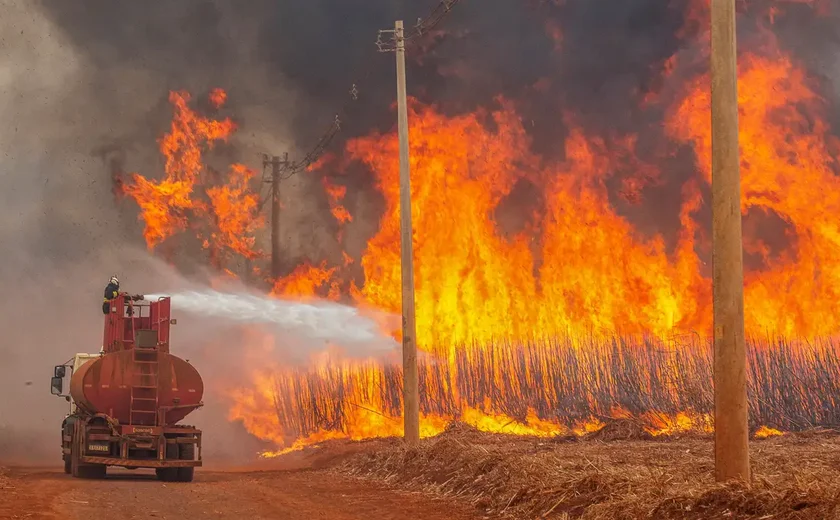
{"points": [[313, 321]]}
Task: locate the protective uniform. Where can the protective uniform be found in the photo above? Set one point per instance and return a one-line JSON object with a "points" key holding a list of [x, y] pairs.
{"points": [[112, 290]]}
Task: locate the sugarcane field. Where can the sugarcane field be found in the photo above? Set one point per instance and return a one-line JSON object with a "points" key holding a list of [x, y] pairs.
{"points": [[444, 259]]}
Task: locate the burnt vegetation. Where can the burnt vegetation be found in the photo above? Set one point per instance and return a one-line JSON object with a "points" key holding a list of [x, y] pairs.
{"points": [[793, 386]]}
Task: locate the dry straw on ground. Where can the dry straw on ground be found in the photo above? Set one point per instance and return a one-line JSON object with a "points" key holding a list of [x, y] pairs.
{"points": [[796, 476]]}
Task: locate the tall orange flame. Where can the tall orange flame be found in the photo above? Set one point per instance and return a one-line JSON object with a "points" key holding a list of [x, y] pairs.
{"points": [[473, 284], [788, 169], [235, 208], [167, 205]]}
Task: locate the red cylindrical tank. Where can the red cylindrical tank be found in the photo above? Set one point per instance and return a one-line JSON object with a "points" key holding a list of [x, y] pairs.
{"points": [[114, 385]]}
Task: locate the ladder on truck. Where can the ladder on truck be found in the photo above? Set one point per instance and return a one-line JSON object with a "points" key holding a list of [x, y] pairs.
{"points": [[143, 408]]}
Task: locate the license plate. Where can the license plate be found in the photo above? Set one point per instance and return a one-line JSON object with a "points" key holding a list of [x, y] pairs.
{"points": [[98, 447]]}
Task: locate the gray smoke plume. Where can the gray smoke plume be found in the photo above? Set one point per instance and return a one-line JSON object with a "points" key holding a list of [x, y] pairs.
{"points": [[62, 233]]}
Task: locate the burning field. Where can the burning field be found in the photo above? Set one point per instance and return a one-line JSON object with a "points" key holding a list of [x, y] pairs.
{"points": [[559, 287]]}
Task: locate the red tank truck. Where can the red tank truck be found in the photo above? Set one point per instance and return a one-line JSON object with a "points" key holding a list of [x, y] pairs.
{"points": [[126, 401]]}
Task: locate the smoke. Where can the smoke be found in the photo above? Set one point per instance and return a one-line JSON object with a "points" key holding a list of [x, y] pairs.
{"points": [[61, 232], [135, 54], [289, 67]]}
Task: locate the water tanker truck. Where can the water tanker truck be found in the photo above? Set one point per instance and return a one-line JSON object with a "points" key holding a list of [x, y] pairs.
{"points": [[127, 401]]}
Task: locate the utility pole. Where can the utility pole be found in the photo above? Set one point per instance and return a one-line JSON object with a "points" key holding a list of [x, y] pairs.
{"points": [[275, 164], [411, 399], [731, 433]]}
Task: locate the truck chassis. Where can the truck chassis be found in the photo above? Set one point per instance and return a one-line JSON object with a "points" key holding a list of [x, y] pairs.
{"points": [[91, 443]]}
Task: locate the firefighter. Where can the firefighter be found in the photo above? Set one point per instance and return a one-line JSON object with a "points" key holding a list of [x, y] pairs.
{"points": [[112, 290]]}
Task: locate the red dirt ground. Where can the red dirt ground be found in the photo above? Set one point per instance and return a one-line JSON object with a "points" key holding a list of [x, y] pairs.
{"points": [[276, 495], [464, 474]]}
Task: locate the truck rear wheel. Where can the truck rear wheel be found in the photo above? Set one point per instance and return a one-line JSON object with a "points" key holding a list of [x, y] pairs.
{"points": [[169, 474], [74, 453], [186, 452], [77, 468]]}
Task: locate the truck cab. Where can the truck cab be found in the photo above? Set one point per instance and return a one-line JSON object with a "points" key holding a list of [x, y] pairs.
{"points": [[62, 374], [61, 382]]}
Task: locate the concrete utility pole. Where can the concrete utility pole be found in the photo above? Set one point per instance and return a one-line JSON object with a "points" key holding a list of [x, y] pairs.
{"points": [[275, 164], [731, 433], [411, 399]]}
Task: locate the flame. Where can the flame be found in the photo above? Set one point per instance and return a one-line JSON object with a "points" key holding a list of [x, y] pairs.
{"points": [[473, 284], [305, 281], [470, 281], [336, 194], [663, 424], [765, 432], [218, 97], [787, 169], [236, 213], [185, 197], [162, 206], [321, 162], [511, 312]]}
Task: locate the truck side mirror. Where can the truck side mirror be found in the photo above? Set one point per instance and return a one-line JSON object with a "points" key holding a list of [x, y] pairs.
{"points": [[56, 385], [173, 321], [60, 371]]}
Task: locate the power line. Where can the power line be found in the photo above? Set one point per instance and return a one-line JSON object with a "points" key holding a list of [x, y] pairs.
{"points": [[422, 27]]}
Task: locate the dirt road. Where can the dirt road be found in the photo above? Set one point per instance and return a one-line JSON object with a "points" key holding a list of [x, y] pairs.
{"points": [[275, 495]]}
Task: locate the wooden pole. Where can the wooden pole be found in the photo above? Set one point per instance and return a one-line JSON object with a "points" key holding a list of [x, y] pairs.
{"points": [[276, 264], [731, 433], [411, 400], [275, 218]]}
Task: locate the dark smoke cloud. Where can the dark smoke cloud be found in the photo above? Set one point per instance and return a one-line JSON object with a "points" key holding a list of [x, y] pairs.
{"points": [[289, 66], [610, 49], [610, 56]]}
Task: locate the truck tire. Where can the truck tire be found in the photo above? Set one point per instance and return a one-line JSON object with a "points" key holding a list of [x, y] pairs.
{"points": [[77, 469], [169, 474], [186, 452], [66, 425], [74, 452]]}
